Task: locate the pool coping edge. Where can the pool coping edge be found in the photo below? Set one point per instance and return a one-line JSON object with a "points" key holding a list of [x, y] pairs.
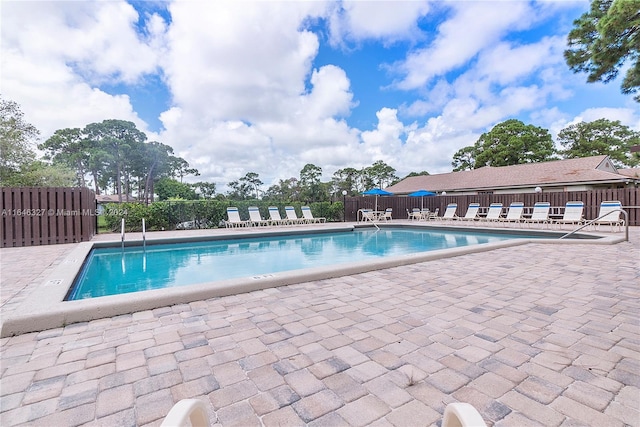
{"points": [[45, 307]]}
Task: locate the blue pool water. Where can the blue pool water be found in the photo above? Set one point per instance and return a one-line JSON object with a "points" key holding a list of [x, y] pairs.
{"points": [[111, 271]]}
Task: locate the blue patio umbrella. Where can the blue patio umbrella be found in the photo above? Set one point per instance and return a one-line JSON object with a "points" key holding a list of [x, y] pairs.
{"points": [[377, 192], [422, 194]]}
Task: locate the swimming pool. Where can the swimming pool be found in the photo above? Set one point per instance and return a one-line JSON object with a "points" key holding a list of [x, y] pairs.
{"points": [[112, 271], [48, 305]]}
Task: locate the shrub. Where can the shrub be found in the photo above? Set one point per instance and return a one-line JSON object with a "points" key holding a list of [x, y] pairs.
{"points": [[168, 215]]}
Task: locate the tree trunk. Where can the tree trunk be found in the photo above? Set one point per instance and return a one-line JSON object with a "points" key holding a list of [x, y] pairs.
{"points": [[119, 183], [95, 181]]}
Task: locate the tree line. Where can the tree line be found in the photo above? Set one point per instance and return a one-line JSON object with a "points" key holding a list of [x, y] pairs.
{"points": [[512, 142], [116, 156]]}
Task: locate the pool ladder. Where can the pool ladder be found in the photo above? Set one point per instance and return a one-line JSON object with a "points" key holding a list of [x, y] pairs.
{"points": [[144, 234]]}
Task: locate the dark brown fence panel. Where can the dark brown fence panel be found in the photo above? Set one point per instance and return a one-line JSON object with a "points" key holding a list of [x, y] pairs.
{"points": [[629, 197], [44, 216]]}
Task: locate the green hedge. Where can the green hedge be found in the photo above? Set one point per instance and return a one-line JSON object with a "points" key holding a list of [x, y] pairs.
{"points": [[170, 215]]}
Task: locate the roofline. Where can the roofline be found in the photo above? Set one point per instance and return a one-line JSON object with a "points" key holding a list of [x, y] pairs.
{"points": [[550, 184]]}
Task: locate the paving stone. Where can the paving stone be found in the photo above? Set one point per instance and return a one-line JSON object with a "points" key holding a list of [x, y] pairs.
{"points": [[284, 395], [157, 382], [626, 377], [303, 382], [312, 407], [540, 390], [462, 366], [345, 387], [194, 388], [626, 406], [516, 419], [493, 385], [479, 400], [388, 391], [233, 393], [447, 380], [366, 371], [257, 360], [363, 411], [96, 372], [73, 355], [332, 419], [14, 383], [130, 360], [590, 395], [114, 400], [328, 367], [75, 416], [265, 378], [153, 406], [124, 377], [544, 414], [44, 389], [549, 375], [78, 394], [282, 417], [413, 413], [411, 375], [58, 370], [583, 414], [161, 364], [229, 373], [264, 403]]}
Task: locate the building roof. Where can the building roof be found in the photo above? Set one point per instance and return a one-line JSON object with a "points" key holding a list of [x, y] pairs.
{"points": [[585, 170], [113, 198], [631, 173]]}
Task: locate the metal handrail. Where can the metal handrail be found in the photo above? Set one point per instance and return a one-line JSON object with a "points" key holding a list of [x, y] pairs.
{"points": [[586, 224]]}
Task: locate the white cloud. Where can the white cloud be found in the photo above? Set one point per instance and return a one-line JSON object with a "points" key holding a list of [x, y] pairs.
{"points": [[461, 38], [385, 20], [53, 53], [249, 94]]}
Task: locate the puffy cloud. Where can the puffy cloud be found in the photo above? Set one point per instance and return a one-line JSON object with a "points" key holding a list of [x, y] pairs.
{"points": [[385, 20], [55, 53], [247, 91], [461, 38]]}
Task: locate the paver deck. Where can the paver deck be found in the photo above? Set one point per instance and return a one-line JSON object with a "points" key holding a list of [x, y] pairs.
{"points": [[537, 334]]}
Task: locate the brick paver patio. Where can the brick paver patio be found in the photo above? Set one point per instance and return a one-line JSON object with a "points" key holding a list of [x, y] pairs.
{"points": [[538, 334]]}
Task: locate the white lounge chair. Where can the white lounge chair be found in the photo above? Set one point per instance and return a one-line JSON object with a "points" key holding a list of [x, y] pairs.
{"points": [[387, 215], [514, 214], [292, 216], [494, 213], [540, 214], [275, 218], [573, 214], [187, 412], [472, 213], [367, 215], [255, 219], [234, 220], [308, 215], [414, 214], [430, 216], [450, 212], [460, 414], [612, 216]]}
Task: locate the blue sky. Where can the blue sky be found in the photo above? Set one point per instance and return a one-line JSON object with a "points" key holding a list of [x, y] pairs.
{"points": [[267, 86]]}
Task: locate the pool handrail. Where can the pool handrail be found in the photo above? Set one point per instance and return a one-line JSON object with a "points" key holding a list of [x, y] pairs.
{"points": [[626, 224]]}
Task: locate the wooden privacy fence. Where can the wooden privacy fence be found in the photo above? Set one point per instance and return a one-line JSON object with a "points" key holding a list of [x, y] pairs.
{"points": [[34, 216], [629, 197]]}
